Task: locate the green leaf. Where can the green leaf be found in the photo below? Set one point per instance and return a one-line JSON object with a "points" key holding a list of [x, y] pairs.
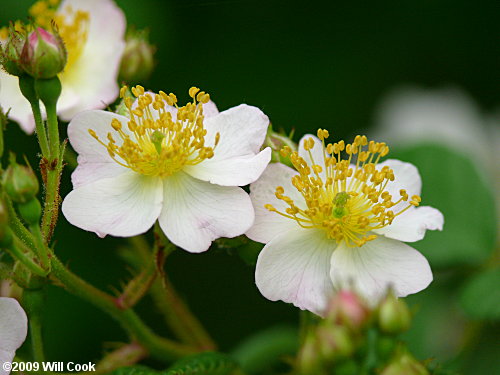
{"points": [[134, 370], [208, 363], [481, 295], [454, 185], [266, 348]]}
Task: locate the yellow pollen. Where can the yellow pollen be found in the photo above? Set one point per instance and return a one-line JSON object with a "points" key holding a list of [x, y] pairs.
{"points": [[348, 198], [158, 143]]}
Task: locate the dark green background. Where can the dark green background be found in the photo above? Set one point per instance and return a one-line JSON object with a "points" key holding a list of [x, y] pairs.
{"points": [[306, 65]]}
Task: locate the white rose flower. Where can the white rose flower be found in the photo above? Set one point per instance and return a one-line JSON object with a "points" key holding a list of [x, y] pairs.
{"points": [[93, 32], [179, 165], [335, 223]]}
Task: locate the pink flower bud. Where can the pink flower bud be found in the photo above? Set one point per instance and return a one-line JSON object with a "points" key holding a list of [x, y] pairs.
{"points": [[44, 54], [347, 308]]}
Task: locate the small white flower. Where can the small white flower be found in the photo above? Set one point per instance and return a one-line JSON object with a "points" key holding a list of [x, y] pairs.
{"points": [[179, 165], [93, 32], [13, 330], [334, 223]]}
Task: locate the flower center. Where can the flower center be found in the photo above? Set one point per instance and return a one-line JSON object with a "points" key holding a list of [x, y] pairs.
{"points": [[72, 27], [159, 143], [348, 201]]}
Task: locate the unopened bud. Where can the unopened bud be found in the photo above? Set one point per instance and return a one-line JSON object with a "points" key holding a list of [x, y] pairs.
{"points": [[11, 51], [393, 315], [138, 57], [30, 211], [20, 183], [277, 141], [309, 359], [44, 54], [334, 342], [347, 308], [405, 364]]}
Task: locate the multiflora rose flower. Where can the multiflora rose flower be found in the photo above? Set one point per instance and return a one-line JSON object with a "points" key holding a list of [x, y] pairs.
{"points": [[335, 222], [179, 165], [13, 330], [93, 32]]}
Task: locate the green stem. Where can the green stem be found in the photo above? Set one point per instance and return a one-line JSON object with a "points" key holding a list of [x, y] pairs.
{"points": [[176, 312], [158, 347], [53, 126], [126, 355], [33, 303], [27, 87], [17, 227], [179, 317], [40, 128], [27, 261], [42, 250], [51, 205]]}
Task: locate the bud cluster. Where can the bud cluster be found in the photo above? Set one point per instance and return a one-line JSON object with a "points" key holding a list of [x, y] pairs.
{"points": [[38, 53], [356, 338]]}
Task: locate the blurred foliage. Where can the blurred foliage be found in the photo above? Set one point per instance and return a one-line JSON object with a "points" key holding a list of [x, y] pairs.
{"points": [[452, 184]]}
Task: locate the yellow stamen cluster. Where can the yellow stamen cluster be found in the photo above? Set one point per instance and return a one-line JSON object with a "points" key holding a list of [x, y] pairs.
{"points": [[72, 26], [348, 199], [157, 143]]}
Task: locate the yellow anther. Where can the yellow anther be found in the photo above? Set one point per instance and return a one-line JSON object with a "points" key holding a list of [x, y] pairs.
{"points": [[115, 124], [270, 207], [93, 134], [193, 91], [123, 91]]}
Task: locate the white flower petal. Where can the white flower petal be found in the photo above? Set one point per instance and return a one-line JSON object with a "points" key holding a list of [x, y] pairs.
{"points": [[237, 158], [318, 157], [411, 225], [268, 225], [196, 212], [92, 78], [294, 267], [378, 264], [94, 162], [13, 325], [406, 177], [210, 109], [11, 98], [123, 206], [6, 356]]}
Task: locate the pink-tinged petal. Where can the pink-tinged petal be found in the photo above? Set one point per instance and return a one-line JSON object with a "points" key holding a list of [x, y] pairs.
{"points": [[380, 264], [267, 224], [196, 212], [122, 206], [295, 267], [6, 356], [406, 177], [91, 79], [12, 99], [94, 162], [13, 325], [411, 225], [210, 109], [237, 159], [318, 157]]}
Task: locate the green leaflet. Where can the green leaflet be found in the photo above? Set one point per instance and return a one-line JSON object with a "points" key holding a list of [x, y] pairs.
{"points": [[208, 363]]}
